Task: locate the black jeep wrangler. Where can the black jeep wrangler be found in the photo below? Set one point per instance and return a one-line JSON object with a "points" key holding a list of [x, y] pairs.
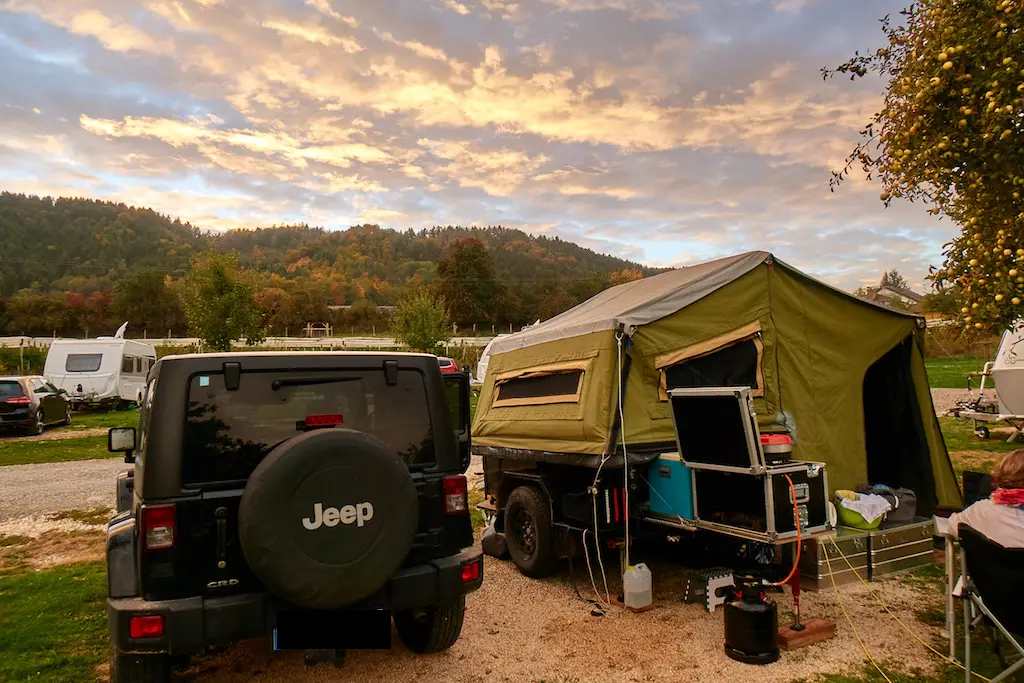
{"points": [[307, 496]]}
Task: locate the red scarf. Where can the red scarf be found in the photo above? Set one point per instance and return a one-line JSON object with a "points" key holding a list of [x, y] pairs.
{"points": [[1008, 496]]}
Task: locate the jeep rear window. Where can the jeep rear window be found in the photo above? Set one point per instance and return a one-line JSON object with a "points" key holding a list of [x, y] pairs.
{"points": [[10, 390], [83, 362], [228, 433]]}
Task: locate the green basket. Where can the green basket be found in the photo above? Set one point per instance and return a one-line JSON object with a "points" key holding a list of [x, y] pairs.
{"points": [[852, 518]]}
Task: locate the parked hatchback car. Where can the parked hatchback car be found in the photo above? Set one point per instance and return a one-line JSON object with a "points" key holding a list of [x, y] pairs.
{"points": [[310, 497], [31, 403], [447, 365]]}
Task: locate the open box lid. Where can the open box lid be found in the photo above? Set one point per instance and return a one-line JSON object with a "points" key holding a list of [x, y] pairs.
{"points": [[716, 429]]}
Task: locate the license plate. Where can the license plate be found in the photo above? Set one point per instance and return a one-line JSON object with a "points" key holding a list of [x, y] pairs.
{"points": [[358, 629]]}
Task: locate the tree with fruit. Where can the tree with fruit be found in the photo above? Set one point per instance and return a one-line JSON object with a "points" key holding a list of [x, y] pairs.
{"points": [[950, 133]]}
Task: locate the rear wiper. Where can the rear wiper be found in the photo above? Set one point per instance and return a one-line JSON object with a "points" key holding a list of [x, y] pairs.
{"points": [[305, 381]]}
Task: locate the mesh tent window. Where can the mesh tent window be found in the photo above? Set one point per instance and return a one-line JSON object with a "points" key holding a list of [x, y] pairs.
{"points": [[729, 360], [559, 383]]}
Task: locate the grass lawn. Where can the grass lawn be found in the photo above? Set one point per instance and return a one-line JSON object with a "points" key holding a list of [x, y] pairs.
{"points": [[102, 420], [56, 450], [61, 449], [951, 372], [53, 624]]}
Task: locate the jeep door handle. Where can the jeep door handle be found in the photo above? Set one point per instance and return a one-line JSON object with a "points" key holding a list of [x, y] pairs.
{"points": [[222, 537]]}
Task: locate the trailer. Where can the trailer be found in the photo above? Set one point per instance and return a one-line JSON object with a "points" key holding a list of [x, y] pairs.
{"points": [[101, 372], [584, 449]]}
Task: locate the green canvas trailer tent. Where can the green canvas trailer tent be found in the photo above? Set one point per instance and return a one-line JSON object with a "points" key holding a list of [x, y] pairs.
{"points": [[848, 376]]}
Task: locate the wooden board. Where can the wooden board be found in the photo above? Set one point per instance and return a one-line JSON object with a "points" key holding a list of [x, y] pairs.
{"points": [[634, 610], [815, 631]]}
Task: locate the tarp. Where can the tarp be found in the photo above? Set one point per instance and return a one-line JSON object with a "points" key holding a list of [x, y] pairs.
{"points": [[815, 348], [632, 304]]}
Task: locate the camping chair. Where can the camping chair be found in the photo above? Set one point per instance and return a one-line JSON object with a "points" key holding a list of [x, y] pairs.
{"points": [[993, 579]]}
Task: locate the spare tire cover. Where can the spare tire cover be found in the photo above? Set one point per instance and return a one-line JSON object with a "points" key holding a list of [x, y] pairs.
{"points": [[328, 517]]}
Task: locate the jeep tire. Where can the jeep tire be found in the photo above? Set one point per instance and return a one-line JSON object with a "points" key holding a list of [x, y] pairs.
{"points": [[298, 524], [528, 532], [431, 629], [129, 667]]}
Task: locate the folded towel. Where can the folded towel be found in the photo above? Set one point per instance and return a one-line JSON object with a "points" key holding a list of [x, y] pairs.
{"points": [[870, 506]]}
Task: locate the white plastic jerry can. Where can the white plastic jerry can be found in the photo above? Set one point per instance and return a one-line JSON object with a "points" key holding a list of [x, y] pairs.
{"points": [[636, 586]]}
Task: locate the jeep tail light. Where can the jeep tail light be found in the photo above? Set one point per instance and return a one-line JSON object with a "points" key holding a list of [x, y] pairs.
{"points": [[456, 501], [471, 572], [158, 526], [146, 627], [18, 400]]}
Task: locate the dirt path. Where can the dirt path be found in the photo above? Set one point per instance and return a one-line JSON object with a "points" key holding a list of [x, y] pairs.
{"points": [[65, 433], [45, 488], [945, 399]]}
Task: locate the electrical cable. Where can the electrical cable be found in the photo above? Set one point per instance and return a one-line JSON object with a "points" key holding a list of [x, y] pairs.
{"points": [[597, 543], [849, 620], [625, 458], [906, 628], [796, 521], [590, 569]]}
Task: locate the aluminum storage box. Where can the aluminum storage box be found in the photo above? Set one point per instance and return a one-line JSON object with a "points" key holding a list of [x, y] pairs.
{"points": [[760, 507], [900, 548], [817, 555]]}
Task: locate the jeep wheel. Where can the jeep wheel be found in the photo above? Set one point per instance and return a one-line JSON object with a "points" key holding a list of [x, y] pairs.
{"points": [[128, 667], [67, 414], [528, 532], [431, 629]]}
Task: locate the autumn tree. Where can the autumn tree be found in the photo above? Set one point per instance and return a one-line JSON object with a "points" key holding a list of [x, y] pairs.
{"points": [[421, 321], [466, 281], [625, 275], [143, 298], [217, 297], [949, 133]]}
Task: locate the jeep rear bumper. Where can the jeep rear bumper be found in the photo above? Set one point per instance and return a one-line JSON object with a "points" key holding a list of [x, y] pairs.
{"points": [[190, 625]]}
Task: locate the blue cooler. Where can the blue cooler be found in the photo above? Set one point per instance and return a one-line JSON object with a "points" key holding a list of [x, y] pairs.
{"points": [[671, 485]]}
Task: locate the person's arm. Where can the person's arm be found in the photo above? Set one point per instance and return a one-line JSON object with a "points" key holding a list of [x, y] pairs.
{"points": [[969, 516]]}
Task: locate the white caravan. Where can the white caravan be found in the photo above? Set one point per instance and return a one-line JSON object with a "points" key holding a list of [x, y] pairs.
{"points": [[1008, 371], [101, 371]]}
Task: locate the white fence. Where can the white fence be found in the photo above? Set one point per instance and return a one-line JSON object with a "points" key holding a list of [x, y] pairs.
{"points": [[297, 343]]}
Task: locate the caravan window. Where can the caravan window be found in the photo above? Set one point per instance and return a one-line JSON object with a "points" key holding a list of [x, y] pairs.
{"points": [[139, 367], [540, 386], [730, 360], [128, 364], [83, 362]]}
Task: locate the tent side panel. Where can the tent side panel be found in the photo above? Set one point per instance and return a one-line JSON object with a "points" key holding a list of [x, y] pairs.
{"points": [[580, 427], [826, 343], [737, 305]]}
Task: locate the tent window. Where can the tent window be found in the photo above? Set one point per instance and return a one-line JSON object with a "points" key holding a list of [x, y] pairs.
{"points": [[539, 386], [731, 360]]}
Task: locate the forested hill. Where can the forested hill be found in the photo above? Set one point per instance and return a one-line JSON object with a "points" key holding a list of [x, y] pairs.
{"points": [[84, 246]]}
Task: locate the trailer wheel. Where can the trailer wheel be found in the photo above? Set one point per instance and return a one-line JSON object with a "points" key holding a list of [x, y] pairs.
{"points": [[528, 532], [981, 432]]}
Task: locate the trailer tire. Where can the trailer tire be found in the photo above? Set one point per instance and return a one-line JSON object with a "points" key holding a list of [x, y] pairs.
{"points": [[981, 432], [528, 532]]}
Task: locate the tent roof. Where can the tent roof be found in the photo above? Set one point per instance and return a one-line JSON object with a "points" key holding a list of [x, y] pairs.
{"points": [[633, 304]]}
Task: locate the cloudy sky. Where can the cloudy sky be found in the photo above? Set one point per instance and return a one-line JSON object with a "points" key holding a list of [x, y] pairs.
{"points": [[666, 131]]}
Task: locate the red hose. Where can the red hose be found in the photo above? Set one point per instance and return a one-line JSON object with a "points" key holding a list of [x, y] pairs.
{"points": [[796, 521]]}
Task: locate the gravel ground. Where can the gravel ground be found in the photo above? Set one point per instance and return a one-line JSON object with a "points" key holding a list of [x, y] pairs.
{"points": [[519, 629], [40, 489], [945, 399]]}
